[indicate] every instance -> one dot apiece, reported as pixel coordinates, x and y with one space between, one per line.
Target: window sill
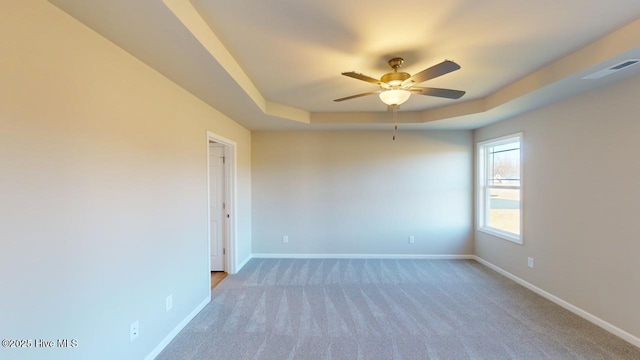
503 235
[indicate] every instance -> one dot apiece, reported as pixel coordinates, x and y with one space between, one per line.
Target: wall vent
610 70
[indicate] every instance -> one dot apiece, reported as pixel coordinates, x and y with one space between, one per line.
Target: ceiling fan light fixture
393 97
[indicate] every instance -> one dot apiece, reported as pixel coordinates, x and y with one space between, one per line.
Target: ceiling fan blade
433 72
443 93
369 79
358 95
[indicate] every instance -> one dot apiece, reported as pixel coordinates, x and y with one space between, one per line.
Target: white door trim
230 147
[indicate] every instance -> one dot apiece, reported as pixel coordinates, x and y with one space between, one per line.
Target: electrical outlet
169 302
285 239
412 239
134 330
530 262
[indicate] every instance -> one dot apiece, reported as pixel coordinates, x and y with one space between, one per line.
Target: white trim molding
231 176
574 309
167 339
243 263
363 256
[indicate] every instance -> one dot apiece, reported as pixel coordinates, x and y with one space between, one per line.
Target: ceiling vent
610 70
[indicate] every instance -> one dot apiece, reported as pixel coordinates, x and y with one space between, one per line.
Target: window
499 187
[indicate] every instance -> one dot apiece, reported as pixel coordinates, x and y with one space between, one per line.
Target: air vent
610 70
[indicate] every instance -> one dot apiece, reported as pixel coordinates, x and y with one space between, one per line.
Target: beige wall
359 192
103 194
581 176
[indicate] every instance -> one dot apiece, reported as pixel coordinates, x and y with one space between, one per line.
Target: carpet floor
361 309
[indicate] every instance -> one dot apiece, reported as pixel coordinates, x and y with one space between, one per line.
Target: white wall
103 194
581 176
359 192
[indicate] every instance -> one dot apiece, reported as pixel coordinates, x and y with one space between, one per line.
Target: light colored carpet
385 309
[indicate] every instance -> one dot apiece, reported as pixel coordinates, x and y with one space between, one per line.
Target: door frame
217 201
230 196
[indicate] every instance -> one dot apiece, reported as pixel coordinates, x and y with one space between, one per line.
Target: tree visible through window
499 187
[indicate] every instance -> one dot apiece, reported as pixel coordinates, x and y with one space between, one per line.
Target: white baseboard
574 309
243 263
167 339
363 256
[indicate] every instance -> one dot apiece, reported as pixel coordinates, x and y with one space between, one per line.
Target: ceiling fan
396 87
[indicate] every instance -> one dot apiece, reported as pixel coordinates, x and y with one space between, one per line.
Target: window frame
482 190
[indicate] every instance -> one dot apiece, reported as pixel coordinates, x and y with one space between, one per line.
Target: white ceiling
276 64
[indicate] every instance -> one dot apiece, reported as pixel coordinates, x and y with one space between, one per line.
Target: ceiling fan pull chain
395 121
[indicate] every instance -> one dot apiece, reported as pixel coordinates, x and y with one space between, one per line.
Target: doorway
221 171
217 207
